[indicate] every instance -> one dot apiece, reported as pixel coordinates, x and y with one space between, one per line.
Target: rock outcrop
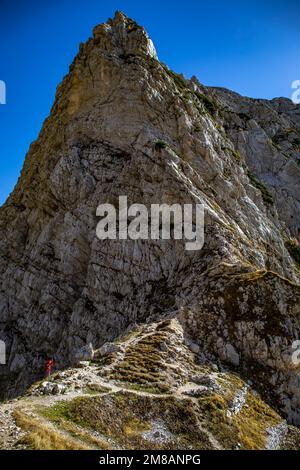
124 124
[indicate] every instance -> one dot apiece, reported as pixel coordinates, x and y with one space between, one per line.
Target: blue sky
252 47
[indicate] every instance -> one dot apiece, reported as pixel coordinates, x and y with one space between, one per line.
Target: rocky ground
148 390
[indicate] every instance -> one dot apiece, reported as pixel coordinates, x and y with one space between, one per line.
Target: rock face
124 124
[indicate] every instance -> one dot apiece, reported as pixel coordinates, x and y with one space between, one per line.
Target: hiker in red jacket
49 366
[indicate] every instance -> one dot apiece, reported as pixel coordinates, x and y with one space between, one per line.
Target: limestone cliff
124 124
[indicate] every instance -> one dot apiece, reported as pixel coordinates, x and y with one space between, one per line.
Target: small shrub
293 248
234 153
160 144
266 195
179 81
209 105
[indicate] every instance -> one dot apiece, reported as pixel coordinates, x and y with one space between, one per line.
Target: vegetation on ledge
293 248
266 195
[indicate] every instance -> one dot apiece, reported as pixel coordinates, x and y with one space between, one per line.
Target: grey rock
163 347
206 380
197 392
107 348
86 353
232 355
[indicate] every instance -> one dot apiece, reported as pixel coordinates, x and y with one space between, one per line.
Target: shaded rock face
63 289
267 133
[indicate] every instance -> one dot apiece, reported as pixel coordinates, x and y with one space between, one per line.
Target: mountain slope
145 391
124 124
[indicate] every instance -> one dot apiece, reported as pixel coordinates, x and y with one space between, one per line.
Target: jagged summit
124 36
125 124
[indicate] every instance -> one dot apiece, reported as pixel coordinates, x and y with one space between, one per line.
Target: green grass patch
211 107
95 389
232 152
125 416
266 195
294 250
178 80
160 144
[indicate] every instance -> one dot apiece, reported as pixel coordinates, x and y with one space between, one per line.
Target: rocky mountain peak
124 36
123 123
